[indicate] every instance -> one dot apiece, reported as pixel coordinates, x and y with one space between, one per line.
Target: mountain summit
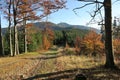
60 26
63 26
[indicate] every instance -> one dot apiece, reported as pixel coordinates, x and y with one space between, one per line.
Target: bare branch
95 12
81 7
94 1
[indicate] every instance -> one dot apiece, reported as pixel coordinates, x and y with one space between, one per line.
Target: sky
67 14
82 17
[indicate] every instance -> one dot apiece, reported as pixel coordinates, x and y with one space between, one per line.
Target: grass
63 67
28 54
47 66
6 60
79 62
67 66
55 67
8 65
50 53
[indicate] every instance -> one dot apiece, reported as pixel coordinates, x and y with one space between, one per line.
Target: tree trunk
1 47
10 42
25 36
16 46
108 35
17 43
9 27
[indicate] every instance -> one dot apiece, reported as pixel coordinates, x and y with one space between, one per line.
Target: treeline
34 40
38 39
68 36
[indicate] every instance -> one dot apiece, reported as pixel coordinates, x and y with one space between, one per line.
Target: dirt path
12 68
18 67
52 65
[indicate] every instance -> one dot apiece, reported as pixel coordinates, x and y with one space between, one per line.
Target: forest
33 48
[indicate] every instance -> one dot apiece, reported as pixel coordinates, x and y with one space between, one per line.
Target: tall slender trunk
17 43
9 27
14 17
16 46
25 36
108 35
1 47
10 42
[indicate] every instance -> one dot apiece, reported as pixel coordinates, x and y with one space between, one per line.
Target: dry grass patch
79 62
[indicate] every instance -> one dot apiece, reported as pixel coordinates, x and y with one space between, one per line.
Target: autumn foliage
90 45
78 44
116 43
48 37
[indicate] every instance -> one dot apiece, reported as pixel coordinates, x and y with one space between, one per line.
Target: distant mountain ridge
60 26
63 26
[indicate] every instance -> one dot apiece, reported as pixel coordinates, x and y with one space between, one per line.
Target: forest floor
55 64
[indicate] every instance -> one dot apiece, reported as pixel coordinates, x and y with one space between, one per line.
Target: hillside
63 26
60 26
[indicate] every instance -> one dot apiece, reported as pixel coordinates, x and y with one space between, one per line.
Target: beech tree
45 6
116 43
26 14
18 11
48 37
78 44
9 3
108 27
93 43
50 6
13 16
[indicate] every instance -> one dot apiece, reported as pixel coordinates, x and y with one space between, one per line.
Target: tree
1 47
78 44
108 35
50 6
90 45
1 44
15 13
47 6
116 43
34 38
108 27
19 11
9 27
27 14
93 43
64 38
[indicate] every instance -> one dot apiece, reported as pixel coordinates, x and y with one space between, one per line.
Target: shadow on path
97 73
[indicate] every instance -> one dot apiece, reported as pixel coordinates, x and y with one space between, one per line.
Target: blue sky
83 17
68 16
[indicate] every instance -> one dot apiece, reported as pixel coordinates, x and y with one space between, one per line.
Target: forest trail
54 65
24 65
